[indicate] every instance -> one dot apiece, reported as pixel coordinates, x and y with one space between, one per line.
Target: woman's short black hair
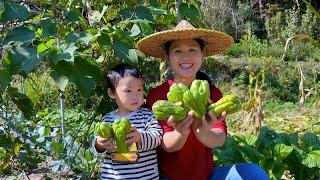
167 44
201 75
120 71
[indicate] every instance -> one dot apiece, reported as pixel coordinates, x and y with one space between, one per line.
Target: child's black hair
167 45
120 71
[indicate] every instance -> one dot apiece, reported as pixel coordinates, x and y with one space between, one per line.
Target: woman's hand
174 140
133 136
206 133
105 144
182 127
209 119
207 122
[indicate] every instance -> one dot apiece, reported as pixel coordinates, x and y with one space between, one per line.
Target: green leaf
251 139
20 34
83 37
298 153
289 138
154 10
61 81
144 13
22 102
253 154
144 27
88 156
198 22
153 2
312 160
239 137
310 142
120 49
135 30
2 9
248 139
14 11
21 60
86 37
17 149
266 163
5 79
73 16
265 138
41 48
189 10
62 68
126 12
45 46
281 151
132 56
45 112
3 152
49 28
57 147
229 156
277 170
84 73
66 53
51 43
72 37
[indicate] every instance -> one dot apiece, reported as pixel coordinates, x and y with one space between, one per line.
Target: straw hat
216 42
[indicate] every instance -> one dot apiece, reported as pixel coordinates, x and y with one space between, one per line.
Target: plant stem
62 124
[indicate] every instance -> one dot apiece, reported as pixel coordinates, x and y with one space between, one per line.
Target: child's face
128 94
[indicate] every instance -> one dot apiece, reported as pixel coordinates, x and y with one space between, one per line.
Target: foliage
32 142
281 78
62 49
251 46
40 89
275 153
231 17
289 23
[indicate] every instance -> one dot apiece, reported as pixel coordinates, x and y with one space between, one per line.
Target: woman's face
185 58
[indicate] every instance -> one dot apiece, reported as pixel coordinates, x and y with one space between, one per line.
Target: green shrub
274 152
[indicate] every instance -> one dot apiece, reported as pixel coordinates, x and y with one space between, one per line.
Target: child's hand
133 136
105 143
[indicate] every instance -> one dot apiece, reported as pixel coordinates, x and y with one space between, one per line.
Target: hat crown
184 25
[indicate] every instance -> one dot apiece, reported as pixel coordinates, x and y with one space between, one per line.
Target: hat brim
216 42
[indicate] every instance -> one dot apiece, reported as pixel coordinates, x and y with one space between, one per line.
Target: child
126 88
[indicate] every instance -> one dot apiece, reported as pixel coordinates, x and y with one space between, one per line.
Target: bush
250 46
289 23
274 152
231 17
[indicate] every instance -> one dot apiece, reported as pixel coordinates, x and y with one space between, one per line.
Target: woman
186 150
